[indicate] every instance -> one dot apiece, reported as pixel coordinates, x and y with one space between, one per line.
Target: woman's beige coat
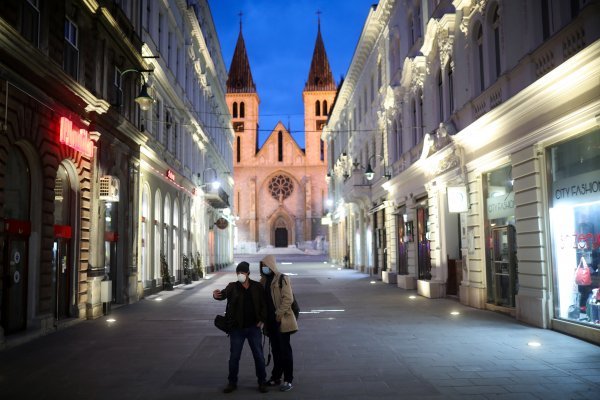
282 298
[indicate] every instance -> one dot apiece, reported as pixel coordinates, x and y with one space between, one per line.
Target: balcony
216 197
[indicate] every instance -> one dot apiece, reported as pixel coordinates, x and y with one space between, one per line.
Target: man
247 307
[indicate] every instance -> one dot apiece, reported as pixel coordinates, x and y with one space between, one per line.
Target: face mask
266 270
241 278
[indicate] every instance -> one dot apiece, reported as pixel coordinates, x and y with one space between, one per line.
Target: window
118 81
156 119
30 22
379 74
176 140
322 149
238 149
161 21
546 20
415 131
411 30
496 33
372 88
168 125
318 108
440 95
479 46
420 115
242 110
235 109
71 50
450 88
325 107
280 146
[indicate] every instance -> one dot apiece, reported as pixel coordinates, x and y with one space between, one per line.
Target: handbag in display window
583 276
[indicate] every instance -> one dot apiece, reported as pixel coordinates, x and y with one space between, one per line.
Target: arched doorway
63 251
281 234
14 245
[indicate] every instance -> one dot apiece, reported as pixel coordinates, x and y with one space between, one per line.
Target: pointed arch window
238 149
324 107
235 109
280 146
318 108
242 110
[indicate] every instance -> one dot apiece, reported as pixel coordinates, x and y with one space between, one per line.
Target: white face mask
241 278
266 270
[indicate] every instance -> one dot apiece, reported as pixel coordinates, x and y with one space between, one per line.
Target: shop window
501 264
402 243
423 243
574 194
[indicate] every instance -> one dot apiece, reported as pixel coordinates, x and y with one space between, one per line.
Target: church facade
280 190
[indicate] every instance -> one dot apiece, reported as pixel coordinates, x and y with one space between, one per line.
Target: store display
583 276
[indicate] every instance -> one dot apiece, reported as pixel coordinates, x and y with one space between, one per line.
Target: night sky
280 37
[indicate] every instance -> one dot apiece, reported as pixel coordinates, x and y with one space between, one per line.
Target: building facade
280 189
485 173
80 159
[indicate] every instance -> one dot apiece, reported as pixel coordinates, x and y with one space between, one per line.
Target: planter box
431 289
388 277
407 282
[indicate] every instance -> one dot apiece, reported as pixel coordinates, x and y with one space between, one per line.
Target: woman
281 322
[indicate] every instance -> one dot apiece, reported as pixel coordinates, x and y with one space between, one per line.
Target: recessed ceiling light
455 313
534 344
158 299
339 269
412 297
373 282
111 320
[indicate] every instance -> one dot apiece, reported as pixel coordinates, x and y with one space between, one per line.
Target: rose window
281 187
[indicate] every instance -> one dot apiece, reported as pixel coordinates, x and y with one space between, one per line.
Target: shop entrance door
14 275
61 263
504 265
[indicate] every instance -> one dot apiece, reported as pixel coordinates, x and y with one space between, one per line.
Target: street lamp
143 98
215 184
370 174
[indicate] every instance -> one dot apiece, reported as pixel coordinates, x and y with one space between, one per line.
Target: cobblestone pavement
357 340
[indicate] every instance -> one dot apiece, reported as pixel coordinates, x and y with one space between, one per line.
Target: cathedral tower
242 101
318 95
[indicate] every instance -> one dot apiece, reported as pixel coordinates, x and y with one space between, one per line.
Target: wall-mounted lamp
370 174
214 183
143 98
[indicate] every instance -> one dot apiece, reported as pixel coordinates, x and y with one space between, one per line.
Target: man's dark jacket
234 293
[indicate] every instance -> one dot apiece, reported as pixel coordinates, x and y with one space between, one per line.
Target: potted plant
194 268
187 270
164 271
200 266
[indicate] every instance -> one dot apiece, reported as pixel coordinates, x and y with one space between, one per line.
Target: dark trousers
283 358
236 341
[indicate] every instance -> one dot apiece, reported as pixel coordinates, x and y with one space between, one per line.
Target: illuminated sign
170 175
77 139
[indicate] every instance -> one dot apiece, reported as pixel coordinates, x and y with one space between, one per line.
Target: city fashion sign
584 188
502 206
77 139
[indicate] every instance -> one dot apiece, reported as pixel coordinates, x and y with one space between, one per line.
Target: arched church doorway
281 234
281 237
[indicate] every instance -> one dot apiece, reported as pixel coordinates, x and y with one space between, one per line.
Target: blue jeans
236 340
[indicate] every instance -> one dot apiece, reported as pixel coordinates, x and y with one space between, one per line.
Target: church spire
319 76
240 77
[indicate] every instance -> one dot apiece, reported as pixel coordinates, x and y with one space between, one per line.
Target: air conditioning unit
109 188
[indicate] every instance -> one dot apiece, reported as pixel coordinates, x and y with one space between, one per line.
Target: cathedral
280 189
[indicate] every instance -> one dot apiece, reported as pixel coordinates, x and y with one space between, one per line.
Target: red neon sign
77 139
170 175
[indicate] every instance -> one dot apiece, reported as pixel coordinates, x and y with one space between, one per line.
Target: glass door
504 266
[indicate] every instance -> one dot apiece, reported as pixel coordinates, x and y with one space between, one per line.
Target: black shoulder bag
295 306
